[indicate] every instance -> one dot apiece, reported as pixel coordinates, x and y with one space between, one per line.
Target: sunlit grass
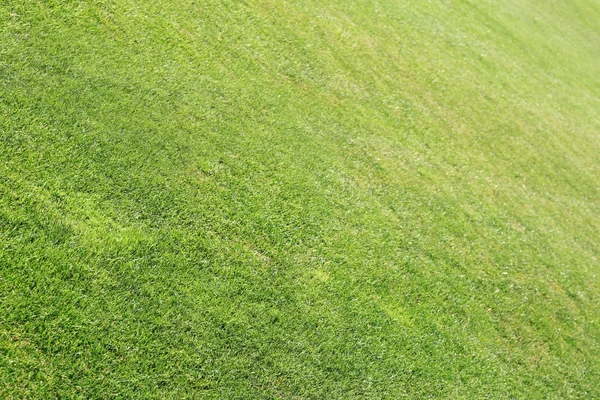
299 200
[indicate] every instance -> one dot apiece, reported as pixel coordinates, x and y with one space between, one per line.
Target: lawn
300 199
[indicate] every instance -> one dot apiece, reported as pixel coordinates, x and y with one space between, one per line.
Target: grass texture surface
300 199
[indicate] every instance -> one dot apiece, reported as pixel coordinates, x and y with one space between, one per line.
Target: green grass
302 199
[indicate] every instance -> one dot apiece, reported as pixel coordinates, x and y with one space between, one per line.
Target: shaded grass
298 200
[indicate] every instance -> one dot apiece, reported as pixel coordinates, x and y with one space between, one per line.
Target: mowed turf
301 199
